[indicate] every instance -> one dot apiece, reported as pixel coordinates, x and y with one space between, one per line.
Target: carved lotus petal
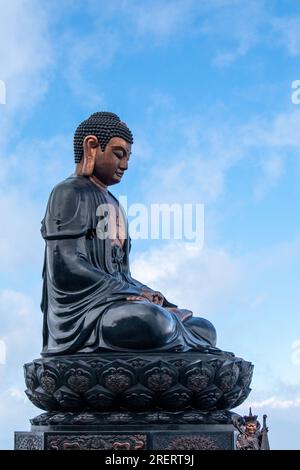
31 379
99 398
208 399
48 378
117 381
159 376
68 400
79 379
138 398
234 398
229 399
245 375
176 398
117 376
36 400
46 401
227 376
198 376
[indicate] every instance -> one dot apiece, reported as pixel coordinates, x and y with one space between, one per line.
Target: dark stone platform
130 431
138 382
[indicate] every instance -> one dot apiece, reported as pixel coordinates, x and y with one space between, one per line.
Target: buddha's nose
124 164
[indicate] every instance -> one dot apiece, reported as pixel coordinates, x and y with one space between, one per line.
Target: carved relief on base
53 418
96 442
29 441
193 441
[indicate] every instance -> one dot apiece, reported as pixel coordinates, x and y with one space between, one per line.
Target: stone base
138 382
156 436
147 401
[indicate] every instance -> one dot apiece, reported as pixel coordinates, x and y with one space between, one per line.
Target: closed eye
119 154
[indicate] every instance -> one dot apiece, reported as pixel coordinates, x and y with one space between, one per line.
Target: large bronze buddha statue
90 301
122 367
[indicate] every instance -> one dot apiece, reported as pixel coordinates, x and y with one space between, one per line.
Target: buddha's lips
120 174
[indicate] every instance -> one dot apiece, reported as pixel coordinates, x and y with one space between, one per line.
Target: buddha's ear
90 150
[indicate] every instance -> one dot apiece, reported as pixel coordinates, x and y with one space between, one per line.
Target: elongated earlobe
87 164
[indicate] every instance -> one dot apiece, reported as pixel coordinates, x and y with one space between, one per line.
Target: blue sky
206 88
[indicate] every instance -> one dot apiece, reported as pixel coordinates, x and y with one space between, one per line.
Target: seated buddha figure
91 303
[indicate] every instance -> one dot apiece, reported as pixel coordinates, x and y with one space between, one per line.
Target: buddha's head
102 147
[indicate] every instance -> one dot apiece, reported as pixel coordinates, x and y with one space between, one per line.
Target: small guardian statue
251 437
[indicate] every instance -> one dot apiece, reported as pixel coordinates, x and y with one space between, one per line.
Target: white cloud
275 403
85 53
15 411
144 25
25 50
287 30
204 151
12 301
272 170
236 26
280 132
201 151
21 238
26 57
17 394
158 19
21 331
295 358
21 326
273 258
162 19
37 166
208 278
135 23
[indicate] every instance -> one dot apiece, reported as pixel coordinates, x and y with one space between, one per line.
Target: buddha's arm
70 269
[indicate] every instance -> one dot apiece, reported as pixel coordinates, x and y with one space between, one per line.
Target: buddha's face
111 164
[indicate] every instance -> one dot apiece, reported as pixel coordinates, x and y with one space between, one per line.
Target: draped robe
86 282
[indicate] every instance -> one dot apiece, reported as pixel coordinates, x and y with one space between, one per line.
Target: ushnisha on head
102 147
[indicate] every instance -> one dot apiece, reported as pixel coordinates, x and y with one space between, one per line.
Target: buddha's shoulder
73 183
70 194
68 208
